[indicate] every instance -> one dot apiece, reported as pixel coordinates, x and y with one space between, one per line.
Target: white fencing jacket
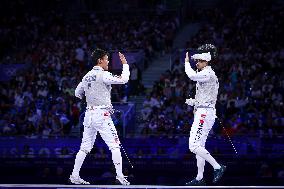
96 85
206 87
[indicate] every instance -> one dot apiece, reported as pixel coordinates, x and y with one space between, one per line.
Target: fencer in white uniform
96 86
204 110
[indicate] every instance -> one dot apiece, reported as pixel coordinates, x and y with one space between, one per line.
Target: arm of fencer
196 76
108 78
79 91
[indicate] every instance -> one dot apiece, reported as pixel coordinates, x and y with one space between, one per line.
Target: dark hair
208 48
97 54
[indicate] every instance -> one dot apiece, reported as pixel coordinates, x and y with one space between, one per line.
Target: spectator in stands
28 152
56 53
64 152
147 108
44 152
135 76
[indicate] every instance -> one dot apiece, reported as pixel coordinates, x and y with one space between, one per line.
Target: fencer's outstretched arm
79 91
114 79
193 75
123 78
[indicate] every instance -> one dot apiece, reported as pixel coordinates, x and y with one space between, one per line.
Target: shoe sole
70 182
201 184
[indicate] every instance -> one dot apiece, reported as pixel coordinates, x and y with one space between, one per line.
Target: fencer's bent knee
193 147
86 148
114 147
86 151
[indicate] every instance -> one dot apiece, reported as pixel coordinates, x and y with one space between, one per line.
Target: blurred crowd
57 50
250 72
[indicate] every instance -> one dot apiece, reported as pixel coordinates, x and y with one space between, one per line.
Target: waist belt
99 107
205 107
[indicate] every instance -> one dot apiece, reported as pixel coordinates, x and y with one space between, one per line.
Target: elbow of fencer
190 76
78 96
125 79
193 147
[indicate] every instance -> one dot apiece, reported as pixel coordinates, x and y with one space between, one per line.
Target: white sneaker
122 180
77 180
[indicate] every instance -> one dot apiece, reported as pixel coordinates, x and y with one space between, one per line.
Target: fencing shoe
122 180
195 182
218 173
77 180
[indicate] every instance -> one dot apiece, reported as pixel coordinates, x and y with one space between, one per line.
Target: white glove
190 102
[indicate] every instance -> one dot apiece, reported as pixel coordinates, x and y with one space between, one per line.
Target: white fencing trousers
99 120
204 119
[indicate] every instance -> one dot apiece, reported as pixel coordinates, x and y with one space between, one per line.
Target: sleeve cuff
125 66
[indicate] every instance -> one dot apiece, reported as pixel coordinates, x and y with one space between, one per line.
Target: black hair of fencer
208 48
97 54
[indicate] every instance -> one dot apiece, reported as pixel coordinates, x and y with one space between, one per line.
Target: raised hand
122 58
186 57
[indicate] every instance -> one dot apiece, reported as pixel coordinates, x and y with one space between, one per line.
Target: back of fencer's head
97 54
208 48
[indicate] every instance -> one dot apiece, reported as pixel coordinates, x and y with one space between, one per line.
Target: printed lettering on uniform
116 140
114 76
90 78
198 133
200 127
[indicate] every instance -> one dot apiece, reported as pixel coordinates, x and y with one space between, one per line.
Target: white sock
80 157
117 161
200 167
202 152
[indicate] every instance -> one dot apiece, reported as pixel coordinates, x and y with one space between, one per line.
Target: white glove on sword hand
190 102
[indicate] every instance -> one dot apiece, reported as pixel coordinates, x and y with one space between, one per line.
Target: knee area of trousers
114 148
86 151
193 147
